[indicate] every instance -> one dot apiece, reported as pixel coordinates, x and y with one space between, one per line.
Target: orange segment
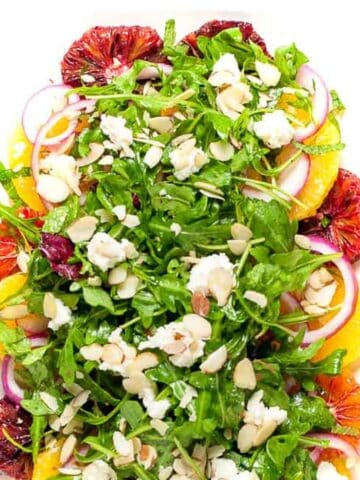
9 286
287 103
323 173
47 463
26 189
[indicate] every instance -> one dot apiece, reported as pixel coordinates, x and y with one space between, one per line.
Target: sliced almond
120 212
244 375
161 124
174 348
142 362
256 297
215 451
200 303
131 221
165 472
22 261
215 361
313 310
117 275
92 352
246 437
67 415
83 229
137 444
237 247
220 284
49 400
94 281
67 449
209 188
221 150
153 156
96 151
14 312
129 287
75 426
302 241
54 423
80 399
49 305
136 384
182 468
182 138
71 471
122 446
197 325
212 195
240 232
160 426
323 296
264 432
147 456
325 275
112 354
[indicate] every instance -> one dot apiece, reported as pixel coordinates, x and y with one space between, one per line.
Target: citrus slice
323 173
26 189
9 286
47 463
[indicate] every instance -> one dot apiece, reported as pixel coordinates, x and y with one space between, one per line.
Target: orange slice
323 173
47 463
11 285
26 189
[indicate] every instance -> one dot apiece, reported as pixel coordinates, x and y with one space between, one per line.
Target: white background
34 35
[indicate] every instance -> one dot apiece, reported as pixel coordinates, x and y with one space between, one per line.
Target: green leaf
98 297
319 149
337 104
36 354
14 340
133 413
280 447
288 60
37 430
67 364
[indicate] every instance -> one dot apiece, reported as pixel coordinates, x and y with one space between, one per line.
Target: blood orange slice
212 28
103 53
8 256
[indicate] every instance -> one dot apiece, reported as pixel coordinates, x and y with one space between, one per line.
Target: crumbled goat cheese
225 71
154 408
269 74
63 167
199 275
120 135
62 315
257 413
98 470
105 252
274 129
225 469
187 159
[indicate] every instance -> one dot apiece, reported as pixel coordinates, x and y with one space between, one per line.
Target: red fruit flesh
8 256
338 219
107 52
212 28
14 462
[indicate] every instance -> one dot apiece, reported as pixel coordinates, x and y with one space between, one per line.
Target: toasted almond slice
313 310
131 221
215 361
174 348
161 124
197 325
211 195
122 446
137 444
209 188
14 312
302 241
96 150
92 352
220 283
153 156
160 426
221 150
82 229
215 451
129 287
264 432
325 276
117 275
147 456
75 426
142 362
112 354
244 375
237 247
49 400
67 415
136 384
182 138
80 399
120 212
256 297
246 437
200 303
49 305
240 232
165 472
67 449
71 471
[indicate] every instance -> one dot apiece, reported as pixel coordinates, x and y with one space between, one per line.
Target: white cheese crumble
98 470
225 469
105 252
22 261
269 74
120 136
257 413
187 159
62 315
274 129
327 471
154 408
225 71
199 275
176 228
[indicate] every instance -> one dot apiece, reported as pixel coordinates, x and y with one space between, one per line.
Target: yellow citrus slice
47 463
323 173
26 189
19 150
9 286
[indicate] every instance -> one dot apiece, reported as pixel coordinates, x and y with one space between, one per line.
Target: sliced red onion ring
294 177
38 340
33 324
309 79
40 138
320 245
11 388
63 146
149 73
289 302
250 192
42 104
337 443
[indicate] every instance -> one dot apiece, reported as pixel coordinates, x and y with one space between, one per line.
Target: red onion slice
11 388
250 192
289 303
42 104
309 79
320 245
149 73
38 340
294 177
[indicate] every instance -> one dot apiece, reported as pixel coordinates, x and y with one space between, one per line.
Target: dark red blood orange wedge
212 28
16 422
8 256
338 219
106 52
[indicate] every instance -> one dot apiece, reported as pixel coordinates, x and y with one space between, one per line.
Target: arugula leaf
319 149
37 430
133 413
67 364
288 60
98 297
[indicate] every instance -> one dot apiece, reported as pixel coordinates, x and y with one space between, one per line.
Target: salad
177 296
